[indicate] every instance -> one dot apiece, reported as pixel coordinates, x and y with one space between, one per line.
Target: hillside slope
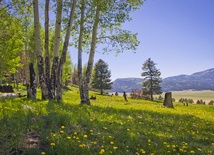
203 80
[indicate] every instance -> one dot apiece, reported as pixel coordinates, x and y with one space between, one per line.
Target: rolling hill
203 80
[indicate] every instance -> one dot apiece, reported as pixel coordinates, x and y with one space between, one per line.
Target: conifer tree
152 79
101 78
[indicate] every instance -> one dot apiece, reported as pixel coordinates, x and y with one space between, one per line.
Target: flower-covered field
109 126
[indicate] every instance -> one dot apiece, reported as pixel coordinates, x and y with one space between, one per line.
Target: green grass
109 126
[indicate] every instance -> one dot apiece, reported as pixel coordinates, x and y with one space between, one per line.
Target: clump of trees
186 100
152 79
200 102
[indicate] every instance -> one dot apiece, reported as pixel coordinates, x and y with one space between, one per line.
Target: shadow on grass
80 129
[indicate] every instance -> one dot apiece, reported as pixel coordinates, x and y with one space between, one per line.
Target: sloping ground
109 126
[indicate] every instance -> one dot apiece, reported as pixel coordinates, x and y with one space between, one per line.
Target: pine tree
152 79
101 78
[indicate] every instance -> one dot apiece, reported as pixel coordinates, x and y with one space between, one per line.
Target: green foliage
109 126
11 42
74 76
101 77
152 79
66 76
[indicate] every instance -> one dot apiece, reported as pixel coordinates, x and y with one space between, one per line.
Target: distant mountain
203 80
126 84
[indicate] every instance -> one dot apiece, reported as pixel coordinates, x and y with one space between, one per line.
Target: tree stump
168 100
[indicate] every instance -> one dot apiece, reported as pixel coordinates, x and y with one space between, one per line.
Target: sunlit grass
110 126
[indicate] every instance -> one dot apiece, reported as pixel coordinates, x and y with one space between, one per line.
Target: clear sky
178 35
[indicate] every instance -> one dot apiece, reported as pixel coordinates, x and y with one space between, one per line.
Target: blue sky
178 35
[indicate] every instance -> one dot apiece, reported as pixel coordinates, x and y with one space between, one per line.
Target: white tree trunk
80 76
39 50
47 58
64 52
56 48
92 53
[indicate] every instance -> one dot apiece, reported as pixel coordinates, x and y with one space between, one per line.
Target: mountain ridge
202 80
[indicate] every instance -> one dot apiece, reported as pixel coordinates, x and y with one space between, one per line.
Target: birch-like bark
80 76
56 47
31 90
39 50
47 58
92 53
64 52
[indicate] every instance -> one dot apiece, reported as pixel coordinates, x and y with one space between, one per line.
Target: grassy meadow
205 95
109 126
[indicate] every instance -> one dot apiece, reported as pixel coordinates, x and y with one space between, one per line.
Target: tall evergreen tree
101 78
152 79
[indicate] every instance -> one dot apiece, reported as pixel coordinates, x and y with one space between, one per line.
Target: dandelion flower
101 151
142 151
82 145
85 136
149 140
52 144
68 137
75 133
62 126
94 143
128 129
61 132
111 143
192 152
91 131
115 147
42 152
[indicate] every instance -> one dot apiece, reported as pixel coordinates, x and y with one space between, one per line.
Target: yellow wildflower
115 147
42 152
142 151
61 132
52 144
101 151
85 136
192 152
62 126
